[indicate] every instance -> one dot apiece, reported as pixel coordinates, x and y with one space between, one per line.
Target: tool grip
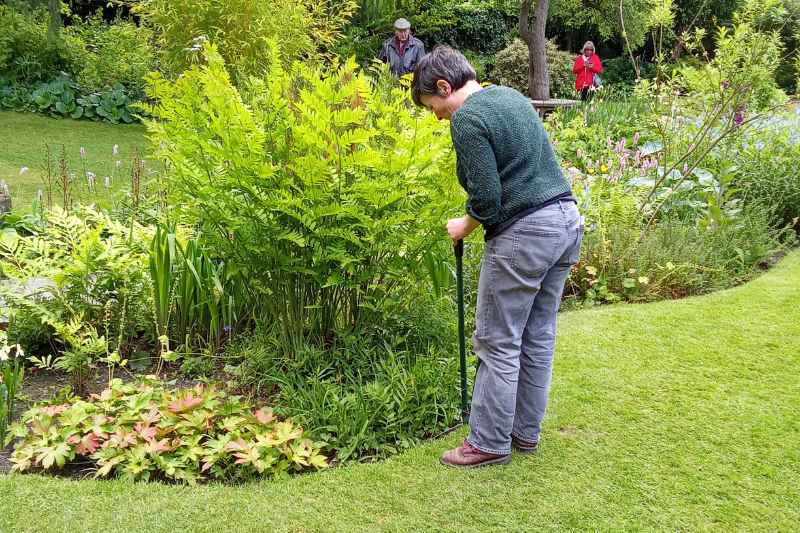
458 248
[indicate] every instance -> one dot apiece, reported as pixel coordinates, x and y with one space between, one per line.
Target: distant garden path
675 415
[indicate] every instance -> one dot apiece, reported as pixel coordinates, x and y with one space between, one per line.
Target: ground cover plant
651 427
144 431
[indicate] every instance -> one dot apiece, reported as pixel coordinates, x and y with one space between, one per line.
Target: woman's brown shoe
468 456
523 445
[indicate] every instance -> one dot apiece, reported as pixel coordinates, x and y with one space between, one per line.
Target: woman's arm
578 66
596 64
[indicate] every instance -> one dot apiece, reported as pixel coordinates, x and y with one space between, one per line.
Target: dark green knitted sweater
504 158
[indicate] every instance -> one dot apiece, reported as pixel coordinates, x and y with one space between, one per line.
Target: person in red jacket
587 69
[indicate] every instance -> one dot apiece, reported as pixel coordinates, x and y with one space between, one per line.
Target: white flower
23 170
119 163
83 152
115 150
107 182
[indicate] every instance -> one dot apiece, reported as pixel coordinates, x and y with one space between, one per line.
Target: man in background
403 51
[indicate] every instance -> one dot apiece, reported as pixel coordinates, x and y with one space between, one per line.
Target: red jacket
585 72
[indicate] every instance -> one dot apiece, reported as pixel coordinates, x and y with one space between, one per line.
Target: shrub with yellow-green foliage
324 188
243 29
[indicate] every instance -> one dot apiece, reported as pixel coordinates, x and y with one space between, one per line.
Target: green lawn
681 415
24 135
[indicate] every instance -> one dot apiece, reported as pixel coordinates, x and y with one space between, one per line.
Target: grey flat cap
402 24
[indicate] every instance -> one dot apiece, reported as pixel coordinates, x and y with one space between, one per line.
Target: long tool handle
458 249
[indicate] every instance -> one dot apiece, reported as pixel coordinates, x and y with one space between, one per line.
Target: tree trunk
533 34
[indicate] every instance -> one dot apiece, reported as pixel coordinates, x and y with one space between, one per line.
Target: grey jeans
522 278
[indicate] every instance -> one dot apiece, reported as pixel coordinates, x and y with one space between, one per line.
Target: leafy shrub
91 286
374 393
323 190
766 169
511 69
144 431
27 54
621 260
114 105
113 55
58 97
477 27
242 30
619 71
16 97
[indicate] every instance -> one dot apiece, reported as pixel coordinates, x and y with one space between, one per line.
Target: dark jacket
408 62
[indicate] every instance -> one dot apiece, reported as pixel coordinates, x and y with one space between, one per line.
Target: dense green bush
90 70
112 54
145 431
767 168
28 55
93 291
242 30
511 69
619 71
324 190
478 27
375 393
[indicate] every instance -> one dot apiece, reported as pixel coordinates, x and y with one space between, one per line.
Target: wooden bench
547 106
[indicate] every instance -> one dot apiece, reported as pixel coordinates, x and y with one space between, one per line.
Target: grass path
680 415
22 140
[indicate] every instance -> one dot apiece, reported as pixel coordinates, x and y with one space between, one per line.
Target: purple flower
227 329
738 118
726 84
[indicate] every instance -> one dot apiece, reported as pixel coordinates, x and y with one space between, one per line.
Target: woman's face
443 105
437 105
588 51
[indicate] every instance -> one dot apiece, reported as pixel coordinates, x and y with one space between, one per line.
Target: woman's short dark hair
442 63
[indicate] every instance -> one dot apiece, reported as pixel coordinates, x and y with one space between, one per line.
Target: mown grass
23 137
681 415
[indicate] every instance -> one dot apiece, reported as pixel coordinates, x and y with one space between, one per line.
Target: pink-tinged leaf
146 432
151 417
237 446
74 440
265 415
206 465
185 404
54 410
88 445
156 447
121 439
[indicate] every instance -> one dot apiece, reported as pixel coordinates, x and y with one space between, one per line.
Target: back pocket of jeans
535 251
